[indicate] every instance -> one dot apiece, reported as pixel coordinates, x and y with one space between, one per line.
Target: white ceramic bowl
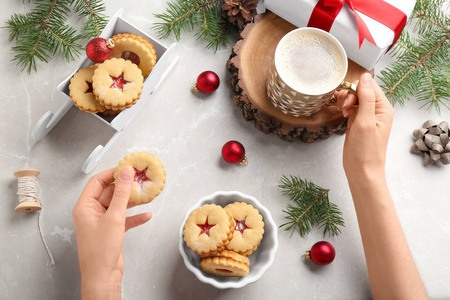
260 261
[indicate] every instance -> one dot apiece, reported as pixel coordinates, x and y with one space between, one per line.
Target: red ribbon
326 11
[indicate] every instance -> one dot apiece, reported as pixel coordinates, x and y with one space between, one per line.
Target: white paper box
166 61
345 29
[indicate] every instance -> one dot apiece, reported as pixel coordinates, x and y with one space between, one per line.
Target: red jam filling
131 56
140 176
118 82
224 271
205 227
89 90
240 226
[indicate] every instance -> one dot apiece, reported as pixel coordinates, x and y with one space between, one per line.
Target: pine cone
240 11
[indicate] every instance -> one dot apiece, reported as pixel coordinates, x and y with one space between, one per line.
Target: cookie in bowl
226 263
208 230
249 228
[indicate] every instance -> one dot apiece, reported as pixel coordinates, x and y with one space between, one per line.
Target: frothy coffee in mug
310 62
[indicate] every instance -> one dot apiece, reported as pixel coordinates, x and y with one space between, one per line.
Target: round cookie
149 178
249 228
117 84
226 263
208 230
81 91
124 42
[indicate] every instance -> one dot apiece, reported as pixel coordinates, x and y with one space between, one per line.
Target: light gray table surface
187 133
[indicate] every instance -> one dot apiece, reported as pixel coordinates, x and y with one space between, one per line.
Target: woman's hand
368 128
100 224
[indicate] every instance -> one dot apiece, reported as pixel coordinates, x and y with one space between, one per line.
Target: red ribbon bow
326 11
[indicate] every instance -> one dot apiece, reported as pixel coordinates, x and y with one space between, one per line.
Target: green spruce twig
204 16
312 207
422 69
43 32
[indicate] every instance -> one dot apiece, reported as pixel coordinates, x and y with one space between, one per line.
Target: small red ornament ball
322 253
207 82
98 50
234 152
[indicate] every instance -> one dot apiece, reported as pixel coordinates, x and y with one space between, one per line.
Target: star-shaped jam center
240 226
140 176
205 227
89 90
118 82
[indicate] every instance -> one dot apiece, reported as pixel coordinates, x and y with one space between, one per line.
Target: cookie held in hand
149 177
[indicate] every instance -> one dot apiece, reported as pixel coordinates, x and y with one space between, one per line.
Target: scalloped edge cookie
144 191
219 234
78 88
137 44
248 241
227 264
112 97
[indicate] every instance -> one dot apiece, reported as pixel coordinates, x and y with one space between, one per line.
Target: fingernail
126 174
366 79
344 112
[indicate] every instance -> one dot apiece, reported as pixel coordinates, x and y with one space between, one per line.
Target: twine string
27 190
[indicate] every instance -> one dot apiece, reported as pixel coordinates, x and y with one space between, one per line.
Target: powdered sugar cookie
135 48
149 178
81 91
208 230
226 263
117 84
249 228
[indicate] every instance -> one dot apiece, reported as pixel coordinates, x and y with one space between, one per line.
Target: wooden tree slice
249 66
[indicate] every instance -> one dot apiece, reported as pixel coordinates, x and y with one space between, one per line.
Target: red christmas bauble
207 82
234 152
98 50
322 253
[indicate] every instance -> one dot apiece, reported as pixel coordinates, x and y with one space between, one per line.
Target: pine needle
204 17
44 32
422 68
311 208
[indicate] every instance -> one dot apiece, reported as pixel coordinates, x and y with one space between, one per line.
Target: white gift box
345 29
166 61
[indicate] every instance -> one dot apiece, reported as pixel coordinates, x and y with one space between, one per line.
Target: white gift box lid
298 12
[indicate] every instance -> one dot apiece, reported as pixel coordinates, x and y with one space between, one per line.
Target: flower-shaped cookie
249 228
149 178
117 84
226 263
81 91
208 230
137 48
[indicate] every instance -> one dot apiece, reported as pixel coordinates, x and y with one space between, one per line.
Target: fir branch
93 10
312 207
43 32
204 16
423 67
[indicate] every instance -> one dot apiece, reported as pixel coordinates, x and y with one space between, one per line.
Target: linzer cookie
136 49
226 263
149 178
249 228
208 230
117 84
81 91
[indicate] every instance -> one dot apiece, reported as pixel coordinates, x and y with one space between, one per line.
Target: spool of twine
28 190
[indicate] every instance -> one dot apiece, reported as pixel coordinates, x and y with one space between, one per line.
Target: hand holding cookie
100 223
